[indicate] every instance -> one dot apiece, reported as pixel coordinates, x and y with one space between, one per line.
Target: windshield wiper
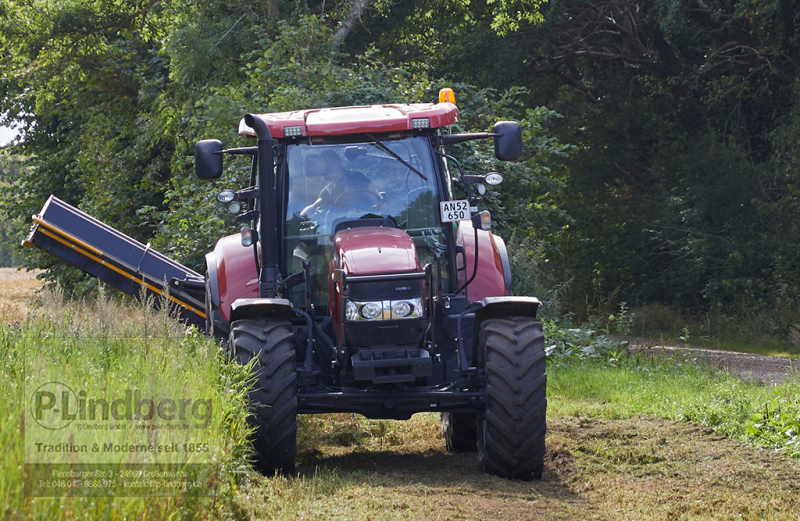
391 153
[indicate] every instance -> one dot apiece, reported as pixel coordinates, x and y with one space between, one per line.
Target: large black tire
511 437
460 431
273 396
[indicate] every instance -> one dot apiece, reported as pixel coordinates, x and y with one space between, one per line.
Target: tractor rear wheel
273 396
511 436
214 317
460 431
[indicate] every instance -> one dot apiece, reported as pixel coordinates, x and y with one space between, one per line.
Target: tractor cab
332 188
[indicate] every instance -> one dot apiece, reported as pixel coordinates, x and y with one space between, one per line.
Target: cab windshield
331 184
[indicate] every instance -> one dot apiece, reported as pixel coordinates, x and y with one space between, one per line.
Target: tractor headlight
371 310
350 311
407 308
355 311
401 309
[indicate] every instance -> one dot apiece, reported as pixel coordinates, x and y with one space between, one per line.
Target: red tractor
360 285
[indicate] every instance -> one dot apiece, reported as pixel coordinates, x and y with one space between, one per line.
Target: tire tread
273 395
511 438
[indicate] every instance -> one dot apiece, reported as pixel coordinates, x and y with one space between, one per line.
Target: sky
6 135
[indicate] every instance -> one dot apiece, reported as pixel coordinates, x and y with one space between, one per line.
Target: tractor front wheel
273 396
511 435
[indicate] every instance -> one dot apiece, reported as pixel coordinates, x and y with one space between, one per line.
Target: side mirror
508 147
207 163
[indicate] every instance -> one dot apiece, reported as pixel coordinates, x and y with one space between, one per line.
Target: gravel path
747 366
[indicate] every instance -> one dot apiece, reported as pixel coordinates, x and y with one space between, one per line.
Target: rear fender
494 272
232 274
500 244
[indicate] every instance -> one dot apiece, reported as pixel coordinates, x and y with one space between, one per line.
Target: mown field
628 438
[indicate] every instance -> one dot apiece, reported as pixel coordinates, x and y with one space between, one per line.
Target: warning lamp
249 236
482 220
447 95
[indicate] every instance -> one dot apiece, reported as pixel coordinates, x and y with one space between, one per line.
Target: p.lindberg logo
55 405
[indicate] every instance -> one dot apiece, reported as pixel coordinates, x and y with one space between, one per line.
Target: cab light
292 131
447 95
421 123
226 196
494 178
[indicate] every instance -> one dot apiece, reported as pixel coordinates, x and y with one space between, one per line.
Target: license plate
454 210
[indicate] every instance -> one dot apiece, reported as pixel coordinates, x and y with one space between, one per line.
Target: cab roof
338 121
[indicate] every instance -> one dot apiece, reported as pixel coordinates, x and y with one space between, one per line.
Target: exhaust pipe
268 222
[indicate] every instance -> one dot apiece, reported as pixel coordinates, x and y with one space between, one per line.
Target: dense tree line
662 170
682 185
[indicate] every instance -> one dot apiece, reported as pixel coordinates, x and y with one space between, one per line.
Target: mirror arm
452 139
243 151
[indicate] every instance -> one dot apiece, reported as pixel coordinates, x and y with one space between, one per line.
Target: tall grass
107 347
683 390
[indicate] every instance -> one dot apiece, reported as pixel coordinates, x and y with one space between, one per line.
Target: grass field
107 350
628 439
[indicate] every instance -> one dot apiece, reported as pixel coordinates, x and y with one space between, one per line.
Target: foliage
681 188
660 161
778 426
676 184
9 248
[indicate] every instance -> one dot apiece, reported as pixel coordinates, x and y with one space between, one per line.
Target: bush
657 318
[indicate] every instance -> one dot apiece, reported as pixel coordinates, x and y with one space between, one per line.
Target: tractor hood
374 250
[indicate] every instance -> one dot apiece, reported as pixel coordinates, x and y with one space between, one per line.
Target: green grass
682 390
104 350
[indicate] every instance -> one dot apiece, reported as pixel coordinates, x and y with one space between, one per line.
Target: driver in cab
343 188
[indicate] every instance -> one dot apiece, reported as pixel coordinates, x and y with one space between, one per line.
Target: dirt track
747 366
16 289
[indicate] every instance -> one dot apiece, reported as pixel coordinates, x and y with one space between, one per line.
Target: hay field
17 289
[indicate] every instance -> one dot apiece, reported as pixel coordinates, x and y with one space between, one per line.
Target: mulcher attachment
116 259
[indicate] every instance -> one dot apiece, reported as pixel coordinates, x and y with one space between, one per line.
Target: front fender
493 307
262 308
